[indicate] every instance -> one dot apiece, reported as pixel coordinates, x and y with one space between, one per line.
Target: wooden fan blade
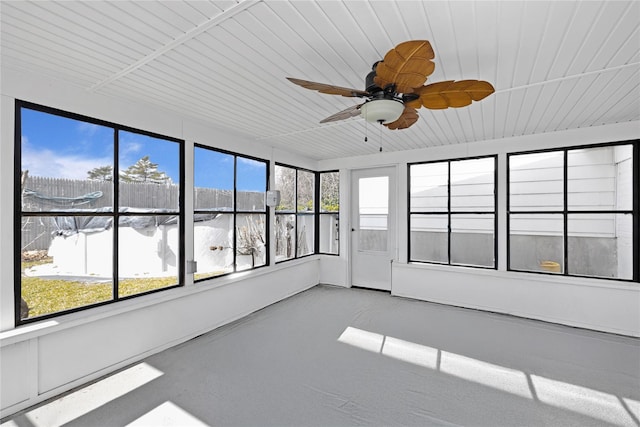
441 95
409 116
344 114
329 89
407 65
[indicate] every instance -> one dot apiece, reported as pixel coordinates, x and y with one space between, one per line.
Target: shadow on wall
466 248
588 256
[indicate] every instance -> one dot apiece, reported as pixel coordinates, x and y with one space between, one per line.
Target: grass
45 296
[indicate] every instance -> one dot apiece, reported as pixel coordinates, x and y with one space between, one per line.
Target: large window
452 217
572 211
230 219
295 215
329 213
99 212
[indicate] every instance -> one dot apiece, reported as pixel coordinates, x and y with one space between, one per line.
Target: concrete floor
343 357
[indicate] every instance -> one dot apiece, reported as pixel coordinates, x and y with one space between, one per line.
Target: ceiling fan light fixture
382 110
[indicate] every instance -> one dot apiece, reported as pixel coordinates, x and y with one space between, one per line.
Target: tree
330 192
144 171
286 184
101 173
305 190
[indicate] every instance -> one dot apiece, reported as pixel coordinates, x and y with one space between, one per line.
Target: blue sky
55 146
215 170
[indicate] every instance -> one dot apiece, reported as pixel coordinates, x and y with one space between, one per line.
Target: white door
373 233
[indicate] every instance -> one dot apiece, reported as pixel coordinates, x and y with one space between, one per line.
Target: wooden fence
57 194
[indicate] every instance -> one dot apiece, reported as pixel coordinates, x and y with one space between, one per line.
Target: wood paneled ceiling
555 65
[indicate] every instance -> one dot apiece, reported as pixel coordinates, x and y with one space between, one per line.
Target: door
373 227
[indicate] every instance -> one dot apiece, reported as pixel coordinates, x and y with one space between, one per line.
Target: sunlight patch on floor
410 352
78 403
167 415
593 403
494 376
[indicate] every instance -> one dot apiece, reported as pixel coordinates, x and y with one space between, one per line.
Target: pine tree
144 171
101 173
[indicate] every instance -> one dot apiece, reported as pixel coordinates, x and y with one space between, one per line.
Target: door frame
392 171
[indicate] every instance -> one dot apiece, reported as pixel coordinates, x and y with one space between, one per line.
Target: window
295 215
99 212
329 230
571 211
230 214
452 217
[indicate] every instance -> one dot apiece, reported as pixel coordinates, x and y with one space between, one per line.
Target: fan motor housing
370 86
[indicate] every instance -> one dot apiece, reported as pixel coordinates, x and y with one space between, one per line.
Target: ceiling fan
395 88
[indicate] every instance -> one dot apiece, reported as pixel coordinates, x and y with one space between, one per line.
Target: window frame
449 212
320 213
116 214
297 214
565 212
235 211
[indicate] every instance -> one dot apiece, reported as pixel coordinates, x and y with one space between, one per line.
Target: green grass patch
46 296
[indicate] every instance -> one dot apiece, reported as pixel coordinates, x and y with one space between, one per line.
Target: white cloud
129 153
48 163
89 129
251 163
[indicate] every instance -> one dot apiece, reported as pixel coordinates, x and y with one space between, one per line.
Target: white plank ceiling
555 64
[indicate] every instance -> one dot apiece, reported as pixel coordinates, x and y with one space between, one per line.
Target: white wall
604 305
43 359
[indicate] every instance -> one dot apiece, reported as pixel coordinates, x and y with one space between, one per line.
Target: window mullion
449 212
316 210
636 211
565 224
234 238
116 212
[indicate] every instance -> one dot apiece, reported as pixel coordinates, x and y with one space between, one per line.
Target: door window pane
373 198
536 242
